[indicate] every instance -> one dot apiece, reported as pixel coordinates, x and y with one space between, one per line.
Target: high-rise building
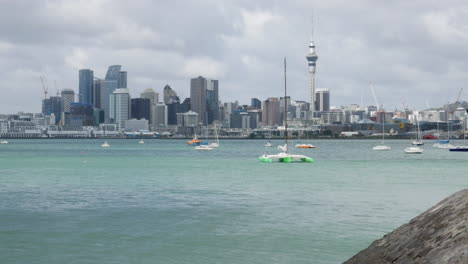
322 100
256 104
68 97
198 97
53 106
141 108
170 95
271 115
204 99
114 79
212 101
98 86
119 107
154 99
86 86
161 115
312 61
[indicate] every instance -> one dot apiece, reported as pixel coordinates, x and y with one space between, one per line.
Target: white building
119 110
68 97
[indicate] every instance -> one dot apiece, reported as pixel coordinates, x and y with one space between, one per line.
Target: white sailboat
418 141
204 146
285 156
3 142
464 147
105 145
215 144
382 146
141 142
413 150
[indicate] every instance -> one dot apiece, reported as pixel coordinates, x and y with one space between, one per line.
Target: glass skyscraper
86 86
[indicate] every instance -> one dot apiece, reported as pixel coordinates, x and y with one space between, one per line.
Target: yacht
3 142
413 150
105 145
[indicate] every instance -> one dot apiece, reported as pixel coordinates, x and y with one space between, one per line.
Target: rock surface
439 235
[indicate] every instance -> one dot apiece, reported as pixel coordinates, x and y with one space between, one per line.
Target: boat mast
285 109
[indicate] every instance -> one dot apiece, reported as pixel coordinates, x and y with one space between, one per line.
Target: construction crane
44 86
458 97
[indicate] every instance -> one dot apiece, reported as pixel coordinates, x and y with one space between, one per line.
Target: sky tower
311 61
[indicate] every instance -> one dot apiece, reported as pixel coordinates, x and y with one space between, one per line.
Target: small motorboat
268 144
381 147
417 143
445 146
194 142
305 146
203 147
414 150
459 148
105 145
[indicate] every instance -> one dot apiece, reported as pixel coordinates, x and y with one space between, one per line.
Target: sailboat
415 150
105 145
443 144
3 142
418 141
215 144
204 146
382 146
463 148
285 156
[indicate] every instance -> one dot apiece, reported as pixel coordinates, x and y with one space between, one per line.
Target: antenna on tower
44 86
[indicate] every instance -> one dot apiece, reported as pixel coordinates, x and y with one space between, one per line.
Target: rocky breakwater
439 235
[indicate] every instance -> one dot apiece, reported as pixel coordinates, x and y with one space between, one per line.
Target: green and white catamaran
285 156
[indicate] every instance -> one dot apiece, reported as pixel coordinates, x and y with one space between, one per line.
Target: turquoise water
71 201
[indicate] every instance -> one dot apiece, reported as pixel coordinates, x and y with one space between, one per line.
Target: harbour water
72 201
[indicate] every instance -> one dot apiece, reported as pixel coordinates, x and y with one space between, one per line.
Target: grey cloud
412 49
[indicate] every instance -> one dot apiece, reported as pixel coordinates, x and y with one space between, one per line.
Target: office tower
212 101
161 115
256 104
198 97
204 99
53 106
173 108
169 94
68 97
154 99
271 115
185 106
322 100
119 107
98 86
122 81
311 61
81 115
112 81
86 86
141 108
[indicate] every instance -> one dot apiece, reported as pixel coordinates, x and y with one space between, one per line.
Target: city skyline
416 54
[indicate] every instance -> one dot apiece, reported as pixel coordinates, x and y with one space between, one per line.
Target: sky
415 52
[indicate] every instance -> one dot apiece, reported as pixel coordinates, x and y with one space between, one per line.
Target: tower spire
311 61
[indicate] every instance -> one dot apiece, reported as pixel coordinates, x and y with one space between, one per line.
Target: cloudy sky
414 51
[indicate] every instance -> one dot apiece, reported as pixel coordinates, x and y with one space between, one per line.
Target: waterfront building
86 86
136 124
80 115
311 62
173 107
255 117
68 97
212 101
322 100
256 104
154 99
119 109
271 115
170 95
141 108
